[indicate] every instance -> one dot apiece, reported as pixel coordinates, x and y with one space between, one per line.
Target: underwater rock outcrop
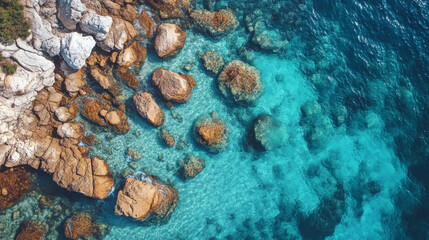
191 166
213 62
216 24
171 8
240 82
211 132
173 86
144 196
79 225
167 138
169 40
268 133
31 230
148 109
14 183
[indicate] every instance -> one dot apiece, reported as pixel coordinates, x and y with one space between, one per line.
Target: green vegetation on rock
8 67
12 22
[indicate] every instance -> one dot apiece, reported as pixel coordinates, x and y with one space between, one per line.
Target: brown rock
128 12
148 109
146 24
215 24
70 130
74 82
134 53
31 230
138 199
167 138
125 74
173 86
213 62
171 8
15 182
120 33
240 82
211 132
113 118
99 58
169 40
78 226
101 78
65 114
91 110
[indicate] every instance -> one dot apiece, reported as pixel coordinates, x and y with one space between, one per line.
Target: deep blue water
355 169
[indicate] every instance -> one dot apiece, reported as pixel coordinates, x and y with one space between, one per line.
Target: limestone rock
70 130
148 109
74 82
211 133
120 33
70 12
216 24
169 40
75 49
140 198
96 25
33 62
173 86
240 82
134 53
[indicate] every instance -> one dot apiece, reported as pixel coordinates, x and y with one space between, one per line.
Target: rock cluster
191 166
173 86
240 82
169 40
146 196
211 132
213 62
216 24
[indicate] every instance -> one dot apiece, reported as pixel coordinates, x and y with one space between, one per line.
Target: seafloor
355 169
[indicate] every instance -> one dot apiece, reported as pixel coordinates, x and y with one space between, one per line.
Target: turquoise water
354 169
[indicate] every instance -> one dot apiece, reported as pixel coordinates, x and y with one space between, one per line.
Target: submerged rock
148 109
213 62
78 226
171 8
240 82
192 166
125 74
169 40
75 49
146 196
31 230
14 183
211 132
268 133
173 86
167 138
216 24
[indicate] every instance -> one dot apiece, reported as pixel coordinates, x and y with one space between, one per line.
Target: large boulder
169 40
120 33
144 196
74 82
75 49
216 24
101 78
96 25
240 82
148 109
70 12
173 86
211 132
133 54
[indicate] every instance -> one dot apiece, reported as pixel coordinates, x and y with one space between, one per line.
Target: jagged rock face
70 13
211 132
148 109
139 199
216 24
120 33
240 82
75 49
169 40
173 86
96 25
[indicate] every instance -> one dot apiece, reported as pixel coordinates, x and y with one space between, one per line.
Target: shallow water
354 170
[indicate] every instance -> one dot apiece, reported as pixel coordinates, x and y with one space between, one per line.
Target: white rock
32 61
69 130
70 12
75 49
96 25
43 39
8 50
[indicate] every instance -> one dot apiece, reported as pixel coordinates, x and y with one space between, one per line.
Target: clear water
363 177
